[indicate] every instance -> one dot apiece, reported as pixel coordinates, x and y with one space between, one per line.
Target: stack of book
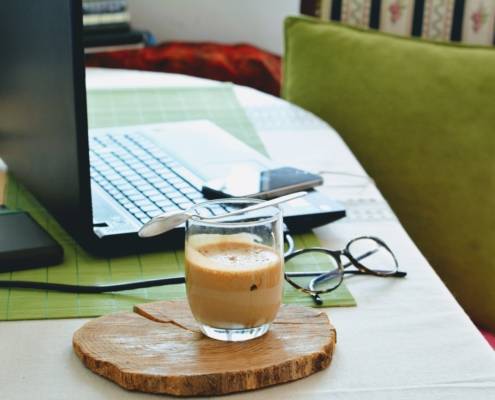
107 26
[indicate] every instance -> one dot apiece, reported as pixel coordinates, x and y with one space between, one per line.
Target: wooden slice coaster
159 349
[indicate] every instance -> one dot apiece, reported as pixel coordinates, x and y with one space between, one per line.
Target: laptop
102 185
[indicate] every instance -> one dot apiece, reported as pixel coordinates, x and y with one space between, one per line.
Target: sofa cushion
420 116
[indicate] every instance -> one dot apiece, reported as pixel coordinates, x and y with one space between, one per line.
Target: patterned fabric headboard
468 21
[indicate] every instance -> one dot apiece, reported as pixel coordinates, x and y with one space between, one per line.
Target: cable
290 244
62 287
66 288
368 179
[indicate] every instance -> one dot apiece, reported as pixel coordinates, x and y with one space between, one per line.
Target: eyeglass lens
373 255
314 261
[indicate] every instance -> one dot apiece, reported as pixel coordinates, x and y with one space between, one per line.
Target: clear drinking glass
234 269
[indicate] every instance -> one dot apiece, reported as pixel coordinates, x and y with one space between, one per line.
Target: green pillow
420 116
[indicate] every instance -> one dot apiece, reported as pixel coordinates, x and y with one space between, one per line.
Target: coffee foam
234 253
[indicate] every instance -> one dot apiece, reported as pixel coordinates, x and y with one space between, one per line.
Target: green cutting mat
129 107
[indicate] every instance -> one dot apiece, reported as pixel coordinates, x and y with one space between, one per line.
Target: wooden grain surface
159 349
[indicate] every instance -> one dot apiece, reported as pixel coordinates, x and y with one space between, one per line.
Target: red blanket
242 64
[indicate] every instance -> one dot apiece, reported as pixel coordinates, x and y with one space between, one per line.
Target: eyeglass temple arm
386 274
316 297
321 276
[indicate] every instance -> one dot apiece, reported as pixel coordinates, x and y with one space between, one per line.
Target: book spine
109 18
104 7
108 12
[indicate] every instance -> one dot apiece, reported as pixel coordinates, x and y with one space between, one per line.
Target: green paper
108 108
147 106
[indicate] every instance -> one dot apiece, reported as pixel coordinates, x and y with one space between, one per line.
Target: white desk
407 339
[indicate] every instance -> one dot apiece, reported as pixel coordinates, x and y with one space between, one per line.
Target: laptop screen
43 124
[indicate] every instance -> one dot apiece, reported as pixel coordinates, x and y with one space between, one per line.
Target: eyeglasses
369 255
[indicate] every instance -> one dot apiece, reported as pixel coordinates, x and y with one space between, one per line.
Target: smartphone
247 181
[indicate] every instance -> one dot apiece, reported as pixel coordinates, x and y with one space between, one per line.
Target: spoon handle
167 221
258 206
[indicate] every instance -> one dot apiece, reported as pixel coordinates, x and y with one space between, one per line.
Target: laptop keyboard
140 176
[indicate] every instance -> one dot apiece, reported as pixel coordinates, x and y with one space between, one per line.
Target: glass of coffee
234 269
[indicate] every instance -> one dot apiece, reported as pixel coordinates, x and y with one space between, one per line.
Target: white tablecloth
406 339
